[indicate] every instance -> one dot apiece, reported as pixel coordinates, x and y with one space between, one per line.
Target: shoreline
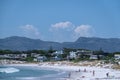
95 63
77 72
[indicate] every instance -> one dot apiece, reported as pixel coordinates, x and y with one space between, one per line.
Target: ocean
30 73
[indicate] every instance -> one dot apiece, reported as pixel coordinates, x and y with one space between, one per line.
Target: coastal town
70 55
66 54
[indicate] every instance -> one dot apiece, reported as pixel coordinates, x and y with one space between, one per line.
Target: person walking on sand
84 70
69 75
107 74
93 73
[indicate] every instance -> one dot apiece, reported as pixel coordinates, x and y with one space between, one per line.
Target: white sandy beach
79 72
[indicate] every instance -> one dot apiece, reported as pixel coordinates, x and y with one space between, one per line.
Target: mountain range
92 43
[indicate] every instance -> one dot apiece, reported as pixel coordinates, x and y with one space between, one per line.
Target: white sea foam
9 70
27 78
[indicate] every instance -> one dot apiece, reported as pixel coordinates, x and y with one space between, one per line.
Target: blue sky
60 20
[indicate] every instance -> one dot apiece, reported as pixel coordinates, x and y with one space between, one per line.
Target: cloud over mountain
30 30
64 31
83 31
60 32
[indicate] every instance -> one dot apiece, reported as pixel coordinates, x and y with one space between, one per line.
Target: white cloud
62 31
83 31
30 31
62 25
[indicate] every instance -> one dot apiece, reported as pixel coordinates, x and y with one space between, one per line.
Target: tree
116 53
51 50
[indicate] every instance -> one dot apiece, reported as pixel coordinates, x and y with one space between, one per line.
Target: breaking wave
9 70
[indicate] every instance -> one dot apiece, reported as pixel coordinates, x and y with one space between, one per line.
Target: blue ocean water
30 73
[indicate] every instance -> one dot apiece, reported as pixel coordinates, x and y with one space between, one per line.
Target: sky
60 20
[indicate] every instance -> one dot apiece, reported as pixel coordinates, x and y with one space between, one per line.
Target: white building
35 55
85 52
40 58
23 55
117 56
58 52
93 57
72 55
